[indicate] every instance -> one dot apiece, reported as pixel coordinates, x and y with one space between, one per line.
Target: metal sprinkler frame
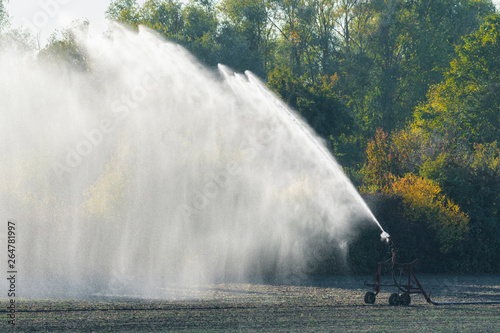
406 284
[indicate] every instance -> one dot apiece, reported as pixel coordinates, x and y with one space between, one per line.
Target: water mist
144 170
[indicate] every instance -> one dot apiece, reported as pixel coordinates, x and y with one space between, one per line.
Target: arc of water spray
110 226
384 236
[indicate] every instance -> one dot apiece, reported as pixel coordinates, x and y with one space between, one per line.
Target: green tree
407 48
297 18
200 35
21 39
416 209
325 35
433 30
466 106
166 17
429 37
472 179
247 21
124 11
316 99
381 163
3 15
194 26
65 47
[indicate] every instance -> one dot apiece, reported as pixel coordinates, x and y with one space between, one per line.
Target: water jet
146 170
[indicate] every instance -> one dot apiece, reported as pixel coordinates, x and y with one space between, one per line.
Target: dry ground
330 304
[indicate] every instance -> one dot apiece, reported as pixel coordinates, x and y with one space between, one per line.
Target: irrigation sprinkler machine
403 279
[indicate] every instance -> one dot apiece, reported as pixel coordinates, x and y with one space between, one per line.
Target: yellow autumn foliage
106 197
425 202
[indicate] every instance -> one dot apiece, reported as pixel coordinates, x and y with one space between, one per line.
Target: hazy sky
47 15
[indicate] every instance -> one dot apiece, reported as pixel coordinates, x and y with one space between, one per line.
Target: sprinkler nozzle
384 236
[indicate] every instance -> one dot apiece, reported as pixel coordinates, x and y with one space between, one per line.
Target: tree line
406 94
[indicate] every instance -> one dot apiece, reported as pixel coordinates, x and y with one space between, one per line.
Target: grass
328 304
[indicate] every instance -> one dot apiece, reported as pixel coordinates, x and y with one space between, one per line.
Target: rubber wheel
370 297
394 299
405 299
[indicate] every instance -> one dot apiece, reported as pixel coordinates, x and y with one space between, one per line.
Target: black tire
405 299
394 299
370 297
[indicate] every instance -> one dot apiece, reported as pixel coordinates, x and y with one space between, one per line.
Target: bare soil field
333 304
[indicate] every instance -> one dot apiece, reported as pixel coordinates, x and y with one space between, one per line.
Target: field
327 304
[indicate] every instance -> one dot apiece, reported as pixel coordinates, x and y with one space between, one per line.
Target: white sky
45 16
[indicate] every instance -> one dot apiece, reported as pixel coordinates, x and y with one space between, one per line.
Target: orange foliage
425 202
